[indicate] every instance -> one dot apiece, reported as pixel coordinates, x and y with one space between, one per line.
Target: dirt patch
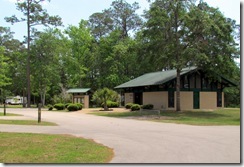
89 110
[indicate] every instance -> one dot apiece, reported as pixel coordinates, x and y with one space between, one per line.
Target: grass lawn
17 106
9 114
43 148
228 116
26 122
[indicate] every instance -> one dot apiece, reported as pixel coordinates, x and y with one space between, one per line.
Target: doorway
196 104
138 98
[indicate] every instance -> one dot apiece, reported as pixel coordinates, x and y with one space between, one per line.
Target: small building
198 91
80 95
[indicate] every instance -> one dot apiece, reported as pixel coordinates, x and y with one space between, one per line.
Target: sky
72 11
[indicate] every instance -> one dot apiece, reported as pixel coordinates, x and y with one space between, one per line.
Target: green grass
228 116
9 114
43 148
26 122
17 106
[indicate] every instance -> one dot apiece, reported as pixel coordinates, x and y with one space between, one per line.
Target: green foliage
79 106
111 104
147 106
128 105
67 104
59 106
50 107
101 96
135 107
73 107
4 80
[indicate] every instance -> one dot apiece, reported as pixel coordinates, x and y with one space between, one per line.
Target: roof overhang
78 90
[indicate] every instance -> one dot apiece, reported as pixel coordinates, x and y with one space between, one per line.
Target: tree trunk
28 56
178 90
106 107
178 70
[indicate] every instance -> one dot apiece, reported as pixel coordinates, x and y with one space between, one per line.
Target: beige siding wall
186 102
86 101
158 99
129 98
208 100
223 99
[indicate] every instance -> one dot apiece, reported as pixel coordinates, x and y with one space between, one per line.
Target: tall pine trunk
178 90
178 70
28 56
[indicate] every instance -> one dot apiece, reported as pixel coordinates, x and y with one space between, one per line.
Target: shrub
147 106
128 105
111 104
135 107
79 105
50 107
67 104
73 107
59 106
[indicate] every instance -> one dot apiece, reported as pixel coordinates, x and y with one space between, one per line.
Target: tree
15 52
4 80
101 96
77 62
120 16
45 60
124 16
101 24
164 31
179 33
34 15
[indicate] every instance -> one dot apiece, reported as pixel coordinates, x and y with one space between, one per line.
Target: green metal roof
78 90
154 78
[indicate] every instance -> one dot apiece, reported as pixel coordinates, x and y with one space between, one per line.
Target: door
138 98
196 100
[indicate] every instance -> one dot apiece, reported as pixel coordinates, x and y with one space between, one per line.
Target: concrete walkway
137 141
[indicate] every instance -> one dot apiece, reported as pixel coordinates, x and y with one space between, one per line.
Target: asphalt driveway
137 141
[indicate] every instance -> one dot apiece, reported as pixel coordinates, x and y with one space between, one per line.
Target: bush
147 106
111 104
50 107
59 106
135 107
128 105
80 106
73 107
67 104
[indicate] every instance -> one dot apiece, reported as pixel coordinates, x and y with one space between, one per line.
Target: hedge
135 107
59 106
72 107
147 106
128 105
111 104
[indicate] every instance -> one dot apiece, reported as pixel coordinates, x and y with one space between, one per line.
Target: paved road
137 141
